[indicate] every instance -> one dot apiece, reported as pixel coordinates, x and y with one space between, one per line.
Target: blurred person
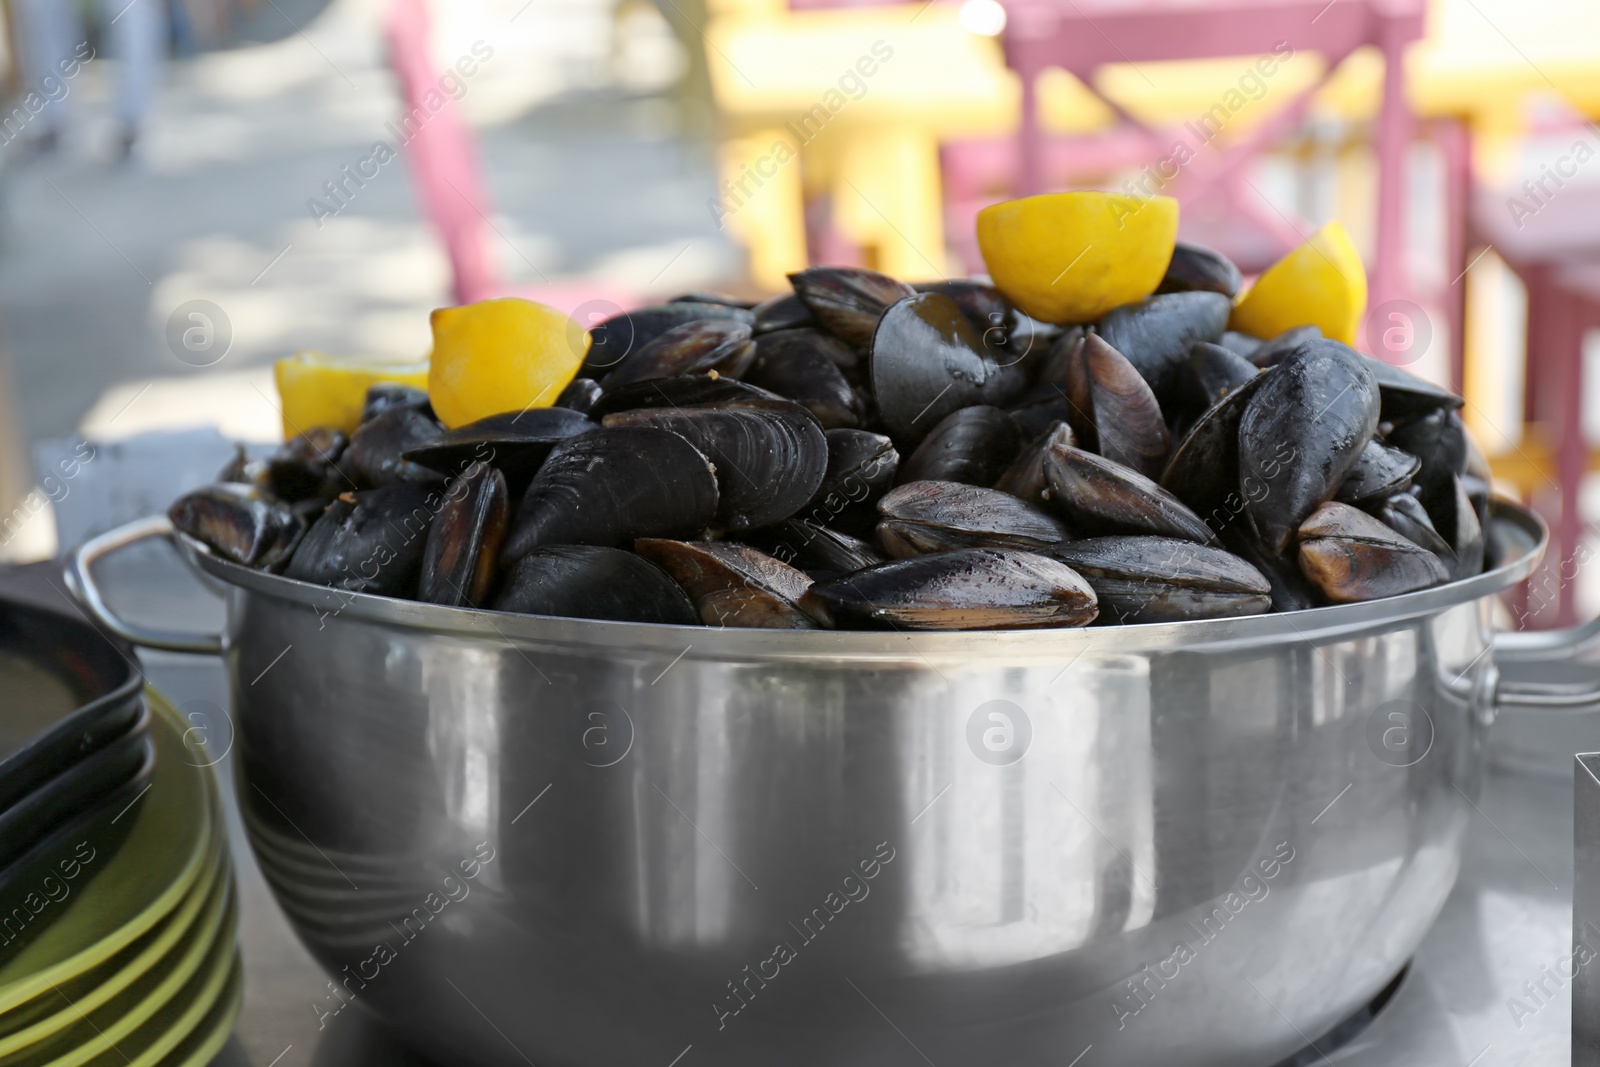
53 43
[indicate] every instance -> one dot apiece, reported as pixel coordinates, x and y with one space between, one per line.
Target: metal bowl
567 842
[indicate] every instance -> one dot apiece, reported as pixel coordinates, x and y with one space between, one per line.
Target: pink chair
443 157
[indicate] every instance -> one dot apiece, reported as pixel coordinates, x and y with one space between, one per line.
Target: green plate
67 1003
149 874
203 1043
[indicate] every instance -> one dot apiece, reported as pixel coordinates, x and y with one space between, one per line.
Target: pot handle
80 579
1523 652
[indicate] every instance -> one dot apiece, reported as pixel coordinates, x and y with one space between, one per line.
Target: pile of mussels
866 453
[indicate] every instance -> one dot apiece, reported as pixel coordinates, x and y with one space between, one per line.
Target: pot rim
723 643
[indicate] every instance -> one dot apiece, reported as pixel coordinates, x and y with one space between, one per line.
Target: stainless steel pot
588 844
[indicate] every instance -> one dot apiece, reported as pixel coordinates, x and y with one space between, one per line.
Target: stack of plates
117 904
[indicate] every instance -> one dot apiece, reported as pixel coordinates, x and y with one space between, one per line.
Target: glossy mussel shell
1112 410
1303 430
305 467
458 561
848 300
967 589
378 449
817 550
371 541
1197 268
926 362
932 516
1162 579
1099 496
613 340
238 523
724 345
1351 556
1378 473
594 582
611 486
516 442
974 445
803 366
1204 469
733 584
1157 333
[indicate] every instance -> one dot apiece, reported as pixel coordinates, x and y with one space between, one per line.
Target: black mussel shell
1213 373
1351 556
369 542
861 468
1405 395
305 467
1100 496
377 452
1457 519
967 589
1204 469
238 523
1039 410
611 486
723 345
800 365
1439 440
243 470
1290 590
463 547
1378 473
705 296
1241 344
817 550
385 395
735 585
923 517
1024 479
784 312
1053 367
594 582
1157 333
1161 579
928 361
1198 269
1269 352
848 300
580 395
1112 410
614 339
974 445
516 442
1302 431
982 304
1478 492
690 390
1404 514
769 460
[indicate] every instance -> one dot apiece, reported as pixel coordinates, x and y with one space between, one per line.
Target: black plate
66 690
78 789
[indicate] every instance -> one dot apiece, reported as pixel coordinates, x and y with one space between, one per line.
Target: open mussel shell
463 546
817 550
305 467
1113 411
927 361
861 468
967 589
376 455
516 442
371 541
689 390
1100 496
848 300
1269 352
974 445
1404 394
1204 469
385 395
1351 556
1195 268
1379 473
1303 430
1161 579
1157 333
580 395
783 312
238 523
800 365
735 585
769 459
611 486
1025 479
723 345
614 339
922 517
594 582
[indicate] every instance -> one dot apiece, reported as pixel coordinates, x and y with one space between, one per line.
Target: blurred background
191 189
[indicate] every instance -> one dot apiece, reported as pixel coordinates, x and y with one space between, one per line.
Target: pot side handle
1520 655
80 579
